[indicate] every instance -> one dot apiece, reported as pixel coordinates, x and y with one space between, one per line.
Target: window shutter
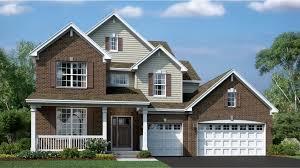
150 84
120 44
225 99
107 43
90 74
238 99
168 85
52 73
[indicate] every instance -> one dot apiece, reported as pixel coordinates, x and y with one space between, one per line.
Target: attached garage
165 139
226 138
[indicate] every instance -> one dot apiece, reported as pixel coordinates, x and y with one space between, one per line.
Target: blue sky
214 36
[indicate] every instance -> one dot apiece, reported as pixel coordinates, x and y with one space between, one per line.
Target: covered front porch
55 127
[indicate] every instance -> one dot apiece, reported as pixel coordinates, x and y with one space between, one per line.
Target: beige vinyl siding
190 87
130 78
160 62
133 48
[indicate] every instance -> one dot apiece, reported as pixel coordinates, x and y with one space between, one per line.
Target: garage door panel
231 140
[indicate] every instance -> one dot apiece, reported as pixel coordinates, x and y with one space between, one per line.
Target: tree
283 57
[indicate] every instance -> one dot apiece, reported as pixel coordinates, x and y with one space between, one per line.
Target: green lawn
78 163
295 157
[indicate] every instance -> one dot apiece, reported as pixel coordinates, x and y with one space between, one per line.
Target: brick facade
69 48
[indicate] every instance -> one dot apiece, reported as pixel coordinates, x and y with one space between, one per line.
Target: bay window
119 79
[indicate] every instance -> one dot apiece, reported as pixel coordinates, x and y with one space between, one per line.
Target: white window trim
111 81
232 90
71 74
59 108
113 35
154 76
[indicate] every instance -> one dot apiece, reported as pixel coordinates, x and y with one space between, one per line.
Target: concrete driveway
249 161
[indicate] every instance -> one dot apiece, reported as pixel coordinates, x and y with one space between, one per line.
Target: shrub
24 143
9 148
144 154
98 145
105 157
87 154
70 153
276 150
26 154
7 157
290 146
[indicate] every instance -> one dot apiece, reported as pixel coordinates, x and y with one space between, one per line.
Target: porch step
126 154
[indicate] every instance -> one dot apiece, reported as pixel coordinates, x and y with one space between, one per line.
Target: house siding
160 62
46 121
133 48
67 48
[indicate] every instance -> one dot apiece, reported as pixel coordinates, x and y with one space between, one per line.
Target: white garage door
231 139
165 139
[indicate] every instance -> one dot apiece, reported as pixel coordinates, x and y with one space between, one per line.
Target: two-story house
112 83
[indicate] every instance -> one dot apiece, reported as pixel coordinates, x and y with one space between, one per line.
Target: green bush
105 157
7 157
9 148
276 150
144 154
70 153
24 143
290 146
26 154
87 154
98 145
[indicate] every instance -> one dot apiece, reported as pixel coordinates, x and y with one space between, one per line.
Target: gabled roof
208 87
52 39
163 43
160 47
125 23
190 74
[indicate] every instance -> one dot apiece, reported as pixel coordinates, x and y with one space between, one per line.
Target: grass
79 164
295 157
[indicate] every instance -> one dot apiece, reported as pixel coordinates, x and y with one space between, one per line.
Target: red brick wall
62 50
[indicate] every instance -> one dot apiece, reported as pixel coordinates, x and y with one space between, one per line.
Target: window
242 127
209 127
250 127
231 97
168 126
225 127
71 121
259 127
71 74
119 79
159 84
234 127
113 42
177 126
160 126
217 127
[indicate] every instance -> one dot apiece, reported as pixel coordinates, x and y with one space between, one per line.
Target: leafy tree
283 57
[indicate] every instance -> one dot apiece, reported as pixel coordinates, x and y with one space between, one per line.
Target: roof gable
205 89
70 26
113 14
182 67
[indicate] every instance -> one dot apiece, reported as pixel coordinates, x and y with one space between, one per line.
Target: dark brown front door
121 132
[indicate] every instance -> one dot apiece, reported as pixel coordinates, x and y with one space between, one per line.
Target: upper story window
119 79
159 83
113 42
71 74
231 97
71 121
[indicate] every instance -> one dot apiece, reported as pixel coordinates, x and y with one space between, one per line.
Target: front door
121 133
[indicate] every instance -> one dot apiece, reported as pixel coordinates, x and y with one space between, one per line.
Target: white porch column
104 122
33 128
145 129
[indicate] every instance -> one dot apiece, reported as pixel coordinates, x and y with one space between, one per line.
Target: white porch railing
60 142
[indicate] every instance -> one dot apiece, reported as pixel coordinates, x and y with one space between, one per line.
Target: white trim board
159 47
55 101
230 122
125 23
42 46
273 109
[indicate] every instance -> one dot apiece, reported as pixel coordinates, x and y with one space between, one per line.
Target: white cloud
194 8
274 4
130 11
13 9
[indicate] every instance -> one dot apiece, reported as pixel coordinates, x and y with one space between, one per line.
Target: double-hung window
119 79
113 42
71 74
159 88
71 121
231 97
